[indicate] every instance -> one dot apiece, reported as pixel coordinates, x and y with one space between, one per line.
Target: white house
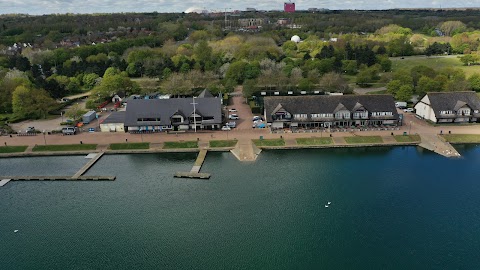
449 107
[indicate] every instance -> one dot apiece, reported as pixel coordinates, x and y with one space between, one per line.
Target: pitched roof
453 101
205 94
165 108
330 104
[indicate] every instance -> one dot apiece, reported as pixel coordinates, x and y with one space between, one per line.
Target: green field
12 149
128 146
407 138
64 147
185 144
314 141
462 138
435 62
269 142
364 139
223 143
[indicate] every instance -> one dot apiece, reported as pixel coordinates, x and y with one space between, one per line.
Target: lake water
391 208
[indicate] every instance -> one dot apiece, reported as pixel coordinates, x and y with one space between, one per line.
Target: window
148 119
382 113
446 112
300 115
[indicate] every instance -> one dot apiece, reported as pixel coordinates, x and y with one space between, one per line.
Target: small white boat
15 231
326 205
329 203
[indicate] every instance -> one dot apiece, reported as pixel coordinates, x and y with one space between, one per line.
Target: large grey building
204 112
330 111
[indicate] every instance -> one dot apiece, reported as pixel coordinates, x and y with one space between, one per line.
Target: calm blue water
392 208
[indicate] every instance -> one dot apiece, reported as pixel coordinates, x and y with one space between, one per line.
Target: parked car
233 117
69 130
400 104
256 118
232 110
409 110
226 128
231 124
30 130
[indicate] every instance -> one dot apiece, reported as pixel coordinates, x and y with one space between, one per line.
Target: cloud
109 6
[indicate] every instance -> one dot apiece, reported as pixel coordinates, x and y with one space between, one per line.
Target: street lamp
44 138
410 129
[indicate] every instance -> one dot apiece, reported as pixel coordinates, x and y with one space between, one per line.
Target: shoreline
196 150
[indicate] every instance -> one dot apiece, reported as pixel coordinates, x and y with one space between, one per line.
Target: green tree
202 52
31 103
394 86
75 112
404 93
334 82
90 80
236 71
474 81
112 85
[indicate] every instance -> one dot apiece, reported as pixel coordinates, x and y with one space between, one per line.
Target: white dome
194 10
295 39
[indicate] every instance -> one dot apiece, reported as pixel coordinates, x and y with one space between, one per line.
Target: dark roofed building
173 114
330 111
114 122
449 107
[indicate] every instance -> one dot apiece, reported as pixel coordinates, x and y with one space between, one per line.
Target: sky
39 7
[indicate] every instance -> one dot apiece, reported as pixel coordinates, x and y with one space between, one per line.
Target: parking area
242 110
54 123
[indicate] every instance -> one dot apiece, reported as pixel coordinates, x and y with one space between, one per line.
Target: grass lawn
462 138
185 144
364 139
13 149
269 142
407 138
64 147
435 62
314 141
127 146
223 143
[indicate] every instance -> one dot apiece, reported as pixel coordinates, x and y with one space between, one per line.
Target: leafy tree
334 82
404 93
394 86
90 80
449 28
249 87
113 84
305 85
426 84
236 71
31 103
75 112
468 59
202 52
474 81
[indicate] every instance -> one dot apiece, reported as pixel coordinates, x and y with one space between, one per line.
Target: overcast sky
39 7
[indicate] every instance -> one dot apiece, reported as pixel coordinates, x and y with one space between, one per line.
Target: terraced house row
330 111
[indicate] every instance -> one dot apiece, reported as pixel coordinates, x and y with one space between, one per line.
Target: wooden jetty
192 175
6 179
87 166
195 171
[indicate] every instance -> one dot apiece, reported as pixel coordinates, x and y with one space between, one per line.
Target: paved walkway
339 140
245 150
438 145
